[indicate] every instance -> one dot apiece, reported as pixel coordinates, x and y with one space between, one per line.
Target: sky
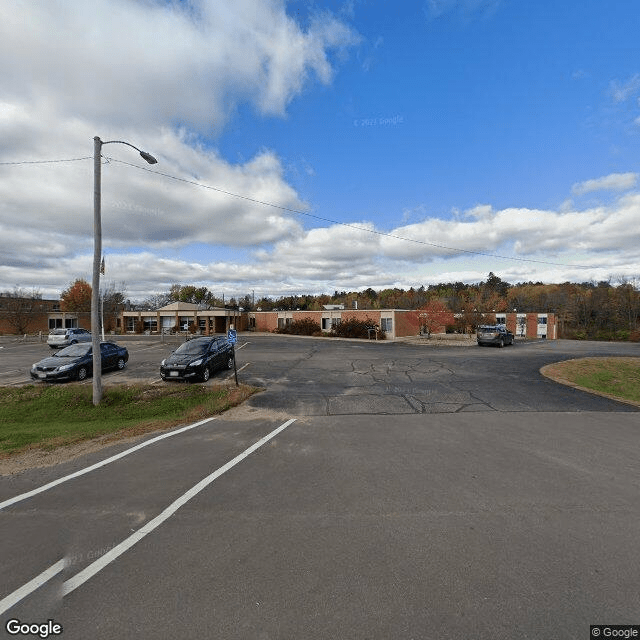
306 147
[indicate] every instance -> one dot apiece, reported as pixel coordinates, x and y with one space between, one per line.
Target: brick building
398 323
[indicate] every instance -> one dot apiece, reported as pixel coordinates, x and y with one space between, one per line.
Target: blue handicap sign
232 336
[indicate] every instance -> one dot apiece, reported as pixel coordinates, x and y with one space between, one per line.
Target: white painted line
31 586
97 465
242 346
244 366
90 571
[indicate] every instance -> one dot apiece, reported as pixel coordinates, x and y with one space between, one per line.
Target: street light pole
97 258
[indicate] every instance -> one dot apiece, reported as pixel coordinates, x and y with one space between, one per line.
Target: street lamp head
148 157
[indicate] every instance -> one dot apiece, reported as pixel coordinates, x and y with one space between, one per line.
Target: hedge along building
182 316
399 323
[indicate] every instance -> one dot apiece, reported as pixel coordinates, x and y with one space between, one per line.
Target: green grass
617 377
49 416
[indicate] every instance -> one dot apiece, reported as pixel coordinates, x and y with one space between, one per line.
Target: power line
46 161
351 226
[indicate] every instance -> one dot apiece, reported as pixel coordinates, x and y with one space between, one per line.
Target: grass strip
50 416
617 378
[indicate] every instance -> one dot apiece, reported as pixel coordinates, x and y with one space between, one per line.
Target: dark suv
496 334
198 359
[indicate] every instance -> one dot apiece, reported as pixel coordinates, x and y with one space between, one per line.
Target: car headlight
162 363
196 363
65 367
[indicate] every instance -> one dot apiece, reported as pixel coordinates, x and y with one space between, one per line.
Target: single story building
398 323
180 316
19 316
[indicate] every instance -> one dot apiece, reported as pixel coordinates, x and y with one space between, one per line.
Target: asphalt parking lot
378 490
308 376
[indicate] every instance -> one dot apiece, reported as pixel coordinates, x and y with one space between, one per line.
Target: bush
353 328
304 327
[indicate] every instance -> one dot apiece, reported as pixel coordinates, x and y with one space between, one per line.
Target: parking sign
232 336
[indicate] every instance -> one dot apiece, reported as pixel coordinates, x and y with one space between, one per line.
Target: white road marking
88 572
31 586
93 467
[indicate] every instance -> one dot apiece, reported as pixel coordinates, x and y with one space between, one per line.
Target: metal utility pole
97 257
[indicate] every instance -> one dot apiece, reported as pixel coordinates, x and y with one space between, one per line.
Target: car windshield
193 348
58 332
74 351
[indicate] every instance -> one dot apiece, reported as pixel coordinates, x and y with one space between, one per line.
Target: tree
433 316
113 301
77 297
19 306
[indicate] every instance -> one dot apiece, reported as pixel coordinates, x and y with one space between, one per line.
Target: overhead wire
347 224
306 213
46 161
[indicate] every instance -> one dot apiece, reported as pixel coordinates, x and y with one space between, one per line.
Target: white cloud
623 91
159 74
612 182
152 63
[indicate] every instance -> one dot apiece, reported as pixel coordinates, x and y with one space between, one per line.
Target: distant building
398 323
181 316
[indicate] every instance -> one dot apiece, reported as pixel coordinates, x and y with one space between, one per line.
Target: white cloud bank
612 182
158 74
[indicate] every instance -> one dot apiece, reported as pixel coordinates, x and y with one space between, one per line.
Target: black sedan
76 362
197 359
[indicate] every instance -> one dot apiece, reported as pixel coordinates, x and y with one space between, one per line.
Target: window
150 323
55 323
386 324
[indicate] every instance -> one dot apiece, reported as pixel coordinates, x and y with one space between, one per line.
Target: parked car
59 338
496 334
198 359
76 362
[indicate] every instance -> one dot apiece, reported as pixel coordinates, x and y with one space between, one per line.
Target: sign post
232 337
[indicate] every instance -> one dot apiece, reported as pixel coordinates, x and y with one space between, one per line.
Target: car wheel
82 373
501 343
206 374
121 363
74 342
230 363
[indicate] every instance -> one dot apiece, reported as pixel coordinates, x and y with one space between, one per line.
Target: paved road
426 515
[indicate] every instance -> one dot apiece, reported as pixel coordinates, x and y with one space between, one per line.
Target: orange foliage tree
77 297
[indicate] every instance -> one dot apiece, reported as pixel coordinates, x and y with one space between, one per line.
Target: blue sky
496 127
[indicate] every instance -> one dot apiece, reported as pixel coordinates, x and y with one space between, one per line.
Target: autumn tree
77 297
433 316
